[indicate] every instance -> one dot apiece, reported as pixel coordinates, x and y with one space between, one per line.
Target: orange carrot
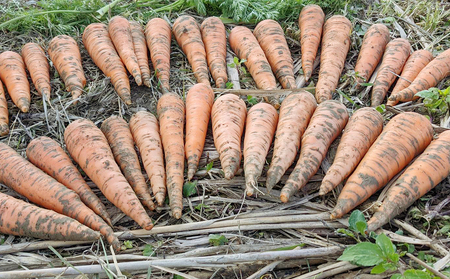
171 112
360 132
395 56
89 148
335 46
23 219
140 48
13 75
428 170
38 67
215 40
120 139
159 35
101 49
295 113
65 55
271 38
4 118
47 154
428 77
189 38
228 119
29 181
145 130
326 124
310 21
199 101
372 49
261 124
120 33
404 137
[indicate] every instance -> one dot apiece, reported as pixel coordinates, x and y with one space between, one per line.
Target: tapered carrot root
360 132
295 113
428 77
189 38
100 47
261 124
120 33
23 219
140 48
335 46
47 154
404 137
29 181
13 75
228 119
4 117
159 35
65 55
395 56
89 148
271 38
372 49
215 40
38 67
199 101
171 112
310 21
145 130
120 139
428 170
326 124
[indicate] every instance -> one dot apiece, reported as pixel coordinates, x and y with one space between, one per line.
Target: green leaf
357 222
445 229
378 269
176 276
229 84
290 247
209 166
389 19
366 84
390 266
231 65
381 108
251 100
385 245
364 254
397 276
447 99
431 93
416 274
346 232
189 188
148 250
128 244
217 239
236 60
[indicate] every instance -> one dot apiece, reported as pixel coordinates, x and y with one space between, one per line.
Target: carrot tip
177 214
148 226
191 173
138 79
284 197
160 197
4 130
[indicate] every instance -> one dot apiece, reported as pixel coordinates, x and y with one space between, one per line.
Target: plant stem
6 23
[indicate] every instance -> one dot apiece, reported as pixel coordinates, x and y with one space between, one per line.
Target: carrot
428 170
140 48
23 219
360 132
215 40
13 75
271 38
47 154
158 35
89 148
295 113
4 118
189 38
145 130
404 137
325 125
335 46
428 77
228 119
118 134
372 49
120 33
101 49
171 112
199 101
65 55
38 67
39 188
394 57
310 21
261 124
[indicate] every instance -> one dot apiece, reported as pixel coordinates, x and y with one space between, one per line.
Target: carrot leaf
217 239
189 188
357 222
148 250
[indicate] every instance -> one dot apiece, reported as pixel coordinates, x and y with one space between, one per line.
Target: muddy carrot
4 117
14 76
38 67
404 137
140 48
